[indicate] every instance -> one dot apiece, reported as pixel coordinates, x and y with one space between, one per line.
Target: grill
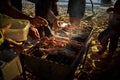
60 66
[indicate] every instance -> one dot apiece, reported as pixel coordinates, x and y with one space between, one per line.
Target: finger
36 33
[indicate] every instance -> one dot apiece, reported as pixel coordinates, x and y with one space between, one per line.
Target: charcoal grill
55 67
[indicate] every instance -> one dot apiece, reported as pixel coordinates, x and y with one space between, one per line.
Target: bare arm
8 9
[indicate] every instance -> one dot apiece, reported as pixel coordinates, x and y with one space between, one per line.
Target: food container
19 28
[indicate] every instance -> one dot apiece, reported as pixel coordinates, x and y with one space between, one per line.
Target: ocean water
96 1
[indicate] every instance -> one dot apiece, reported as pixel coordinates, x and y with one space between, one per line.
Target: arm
110 9
51 17
53 20
116 8
8 9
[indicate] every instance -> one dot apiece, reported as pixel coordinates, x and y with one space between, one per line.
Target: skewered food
58 42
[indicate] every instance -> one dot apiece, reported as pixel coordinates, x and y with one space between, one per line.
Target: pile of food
57 45
56 54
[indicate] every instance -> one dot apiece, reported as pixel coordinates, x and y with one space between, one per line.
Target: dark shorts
76 8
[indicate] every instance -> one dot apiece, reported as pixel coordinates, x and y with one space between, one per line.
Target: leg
42 7
112 46
103 39
54 7
75 21
76 11
113 42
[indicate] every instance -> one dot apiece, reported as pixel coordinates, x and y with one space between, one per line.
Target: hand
5 28
12 42
56 25
39 21
109 10
33 33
